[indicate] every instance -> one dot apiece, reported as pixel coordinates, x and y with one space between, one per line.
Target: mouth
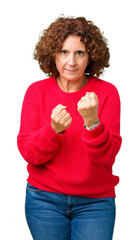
71 70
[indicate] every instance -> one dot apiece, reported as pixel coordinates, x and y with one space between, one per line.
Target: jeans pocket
32 188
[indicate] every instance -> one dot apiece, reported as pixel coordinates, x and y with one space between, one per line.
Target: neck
71 86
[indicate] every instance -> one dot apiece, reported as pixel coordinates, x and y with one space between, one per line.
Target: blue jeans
54 216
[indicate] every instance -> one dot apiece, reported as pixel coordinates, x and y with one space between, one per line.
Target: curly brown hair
51 41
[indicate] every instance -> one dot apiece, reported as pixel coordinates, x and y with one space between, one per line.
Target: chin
71 77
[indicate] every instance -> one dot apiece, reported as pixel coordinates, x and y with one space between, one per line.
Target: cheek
84 65
59 63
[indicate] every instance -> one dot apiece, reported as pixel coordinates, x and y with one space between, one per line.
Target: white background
21 23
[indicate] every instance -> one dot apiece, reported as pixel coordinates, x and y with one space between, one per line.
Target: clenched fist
88 108
60 119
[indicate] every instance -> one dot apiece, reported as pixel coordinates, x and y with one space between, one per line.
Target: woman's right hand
60 119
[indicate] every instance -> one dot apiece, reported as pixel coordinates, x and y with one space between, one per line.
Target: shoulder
38 89
105 84
40 85
104 87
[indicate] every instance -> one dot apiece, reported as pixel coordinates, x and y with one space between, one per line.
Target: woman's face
72 61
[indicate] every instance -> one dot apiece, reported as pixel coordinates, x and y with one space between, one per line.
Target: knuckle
60 121
65 124
52 116
53 110
95 103
57 120
64 111
59 105
81 108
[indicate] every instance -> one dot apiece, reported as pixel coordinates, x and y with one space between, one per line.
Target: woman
70 135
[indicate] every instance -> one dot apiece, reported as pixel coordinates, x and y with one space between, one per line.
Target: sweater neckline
59 91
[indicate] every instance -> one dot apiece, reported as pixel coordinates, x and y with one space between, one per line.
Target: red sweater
78 162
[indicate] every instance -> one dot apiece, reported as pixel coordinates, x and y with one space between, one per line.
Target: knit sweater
78 162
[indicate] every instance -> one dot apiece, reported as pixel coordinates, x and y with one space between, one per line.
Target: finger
86 99
83 99
80 105
68 122
62 113
91 94
86 103
60 106
87 93
58 109
65 122
92 98
64 118
80 102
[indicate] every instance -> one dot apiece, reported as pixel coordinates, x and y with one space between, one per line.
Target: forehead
73 42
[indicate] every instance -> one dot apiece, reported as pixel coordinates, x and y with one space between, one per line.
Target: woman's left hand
88 108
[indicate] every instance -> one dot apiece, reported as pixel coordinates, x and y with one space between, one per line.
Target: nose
72 60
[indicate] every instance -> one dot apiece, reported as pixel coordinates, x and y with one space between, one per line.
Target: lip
71 70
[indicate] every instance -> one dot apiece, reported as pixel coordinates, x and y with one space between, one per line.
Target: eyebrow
64 49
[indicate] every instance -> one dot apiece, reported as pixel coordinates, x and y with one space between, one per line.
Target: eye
80 53
63 52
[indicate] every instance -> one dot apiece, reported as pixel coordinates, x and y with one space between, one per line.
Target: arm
36 145
103 143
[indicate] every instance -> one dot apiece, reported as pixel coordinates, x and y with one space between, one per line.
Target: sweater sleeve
36 144
103 143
